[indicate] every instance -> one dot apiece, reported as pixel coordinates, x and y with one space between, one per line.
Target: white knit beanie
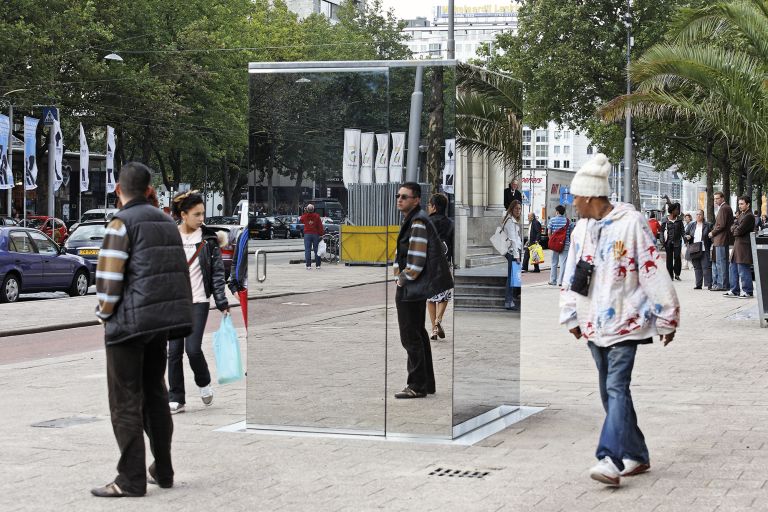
592 179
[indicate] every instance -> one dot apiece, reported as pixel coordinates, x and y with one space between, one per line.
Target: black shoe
112 490
409 393
524 271
677 278
536 271
697 287
152 478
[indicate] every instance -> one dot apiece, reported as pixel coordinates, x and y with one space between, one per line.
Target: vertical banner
382 157
110 159
84 161
58 155
30 156
449 171
366 165
351 171
396 160
6 176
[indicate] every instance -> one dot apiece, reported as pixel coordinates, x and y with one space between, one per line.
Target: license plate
88 252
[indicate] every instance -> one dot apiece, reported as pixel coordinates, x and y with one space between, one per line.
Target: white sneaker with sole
729 294
606 472
633 467
206 394
175 407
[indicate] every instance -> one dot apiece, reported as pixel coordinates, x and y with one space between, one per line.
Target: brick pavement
701 402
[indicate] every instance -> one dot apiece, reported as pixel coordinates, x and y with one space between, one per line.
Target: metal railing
259 252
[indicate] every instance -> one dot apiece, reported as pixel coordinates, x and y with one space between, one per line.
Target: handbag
226 351
499 239
696 249
322 248
515 275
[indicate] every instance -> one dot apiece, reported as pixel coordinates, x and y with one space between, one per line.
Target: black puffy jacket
212 267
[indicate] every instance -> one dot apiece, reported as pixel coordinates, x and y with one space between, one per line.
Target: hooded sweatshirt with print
631 295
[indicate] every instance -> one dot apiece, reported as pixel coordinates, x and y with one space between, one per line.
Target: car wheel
79 284
11 288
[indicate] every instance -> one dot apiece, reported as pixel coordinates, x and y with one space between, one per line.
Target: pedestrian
698 248
534 237
512 193
422 271
759 223
559 243
142 284
615 297
672 236
764 221
313 232
512 225
654 225
202 247
687 220
722 239
741 260
437 304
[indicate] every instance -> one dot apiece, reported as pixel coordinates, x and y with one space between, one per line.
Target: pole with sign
50 117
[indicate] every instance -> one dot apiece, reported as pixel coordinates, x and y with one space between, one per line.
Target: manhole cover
65 422
458 473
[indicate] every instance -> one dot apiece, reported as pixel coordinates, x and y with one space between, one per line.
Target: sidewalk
701 402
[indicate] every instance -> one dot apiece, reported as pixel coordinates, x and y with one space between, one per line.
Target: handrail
259 252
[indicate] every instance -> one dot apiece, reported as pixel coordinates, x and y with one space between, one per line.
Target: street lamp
628 170
114 57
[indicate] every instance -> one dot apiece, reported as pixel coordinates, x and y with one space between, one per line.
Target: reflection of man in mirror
422 271
28 171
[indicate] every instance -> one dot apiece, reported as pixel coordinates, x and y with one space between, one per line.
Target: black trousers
527 258
702 270
674 262
415 341
138 403
193 345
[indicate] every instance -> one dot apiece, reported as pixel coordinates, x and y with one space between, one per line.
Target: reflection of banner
351 171
110 159
58 154
382 157
396 160
84 161
366 162
449 171
6 175
30 156
703 200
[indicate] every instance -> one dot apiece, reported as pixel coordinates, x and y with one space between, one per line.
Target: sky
409 9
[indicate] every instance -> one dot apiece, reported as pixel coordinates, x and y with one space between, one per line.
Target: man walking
145 298
616 297
559 243
672 236
534 237
422 271
742 227
722 239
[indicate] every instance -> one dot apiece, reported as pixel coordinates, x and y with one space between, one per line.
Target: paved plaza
701 403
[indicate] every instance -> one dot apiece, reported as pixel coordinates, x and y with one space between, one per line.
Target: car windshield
88 232
93 216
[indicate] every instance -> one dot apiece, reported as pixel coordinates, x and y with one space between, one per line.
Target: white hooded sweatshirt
631 295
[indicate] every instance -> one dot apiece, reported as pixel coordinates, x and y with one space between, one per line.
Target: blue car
31 262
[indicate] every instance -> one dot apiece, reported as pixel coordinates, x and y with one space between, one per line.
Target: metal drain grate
66 422
458 473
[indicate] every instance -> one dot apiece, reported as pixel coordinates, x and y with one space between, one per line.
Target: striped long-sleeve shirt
558 222
110 268
417 253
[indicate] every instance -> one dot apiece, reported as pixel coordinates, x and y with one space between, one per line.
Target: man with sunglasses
422 271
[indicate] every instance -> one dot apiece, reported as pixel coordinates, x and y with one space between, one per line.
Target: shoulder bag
499 239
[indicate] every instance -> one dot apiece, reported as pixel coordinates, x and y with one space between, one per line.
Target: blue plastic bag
226 351
515 276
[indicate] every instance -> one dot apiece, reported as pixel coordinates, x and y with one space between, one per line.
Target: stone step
484 261
480 250
476 301
480 291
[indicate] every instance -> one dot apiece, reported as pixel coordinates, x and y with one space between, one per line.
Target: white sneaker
318 268
606 472
729 293
206 394
745 295
633 467
175 407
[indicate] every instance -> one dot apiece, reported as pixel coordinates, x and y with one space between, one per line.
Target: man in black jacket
672 237
512 193
534 237
145 298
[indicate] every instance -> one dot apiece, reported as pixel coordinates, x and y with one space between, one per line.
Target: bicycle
332 248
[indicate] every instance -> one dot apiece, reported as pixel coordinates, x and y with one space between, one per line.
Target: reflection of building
328 8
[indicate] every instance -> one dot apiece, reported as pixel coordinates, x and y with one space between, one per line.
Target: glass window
526 151
557 164
44 244
19 242
88 232
558 134
567 135
557 150
566 150
541 136
526 135
589 150
542 150
526 163
541 164
566 164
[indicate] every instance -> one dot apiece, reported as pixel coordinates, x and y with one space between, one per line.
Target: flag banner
351 172
30 156
396 160
58 155
110 159
85 157
449 171
6 175
382 157
366 162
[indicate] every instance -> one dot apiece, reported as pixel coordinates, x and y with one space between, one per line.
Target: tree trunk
742 178
759 199
710 212
750 185
725 171
296 201
146 146
227 185
435 136
270 188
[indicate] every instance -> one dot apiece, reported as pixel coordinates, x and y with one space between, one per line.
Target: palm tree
489 108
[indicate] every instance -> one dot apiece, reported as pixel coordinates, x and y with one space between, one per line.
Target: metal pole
205 189
10 158
414 128
628 170
451 40
51 172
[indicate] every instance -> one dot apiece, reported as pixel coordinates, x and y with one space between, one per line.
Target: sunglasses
403 196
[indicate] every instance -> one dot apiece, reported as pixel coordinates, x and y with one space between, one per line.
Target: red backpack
557 239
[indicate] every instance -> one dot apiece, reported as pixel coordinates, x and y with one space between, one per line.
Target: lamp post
628 171
112 57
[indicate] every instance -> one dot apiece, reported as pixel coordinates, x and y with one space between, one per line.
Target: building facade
328 8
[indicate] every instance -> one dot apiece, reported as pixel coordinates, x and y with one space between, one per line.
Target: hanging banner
449 171
396 160
58 155
30 156
366 162
84 161
351 172
6 176
382 157
110 159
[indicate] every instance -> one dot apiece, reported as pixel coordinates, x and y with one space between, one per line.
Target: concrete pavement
701 402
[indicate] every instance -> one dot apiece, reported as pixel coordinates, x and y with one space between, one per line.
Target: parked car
228 250
31 262
222 221
330 225
328 208
7 221
101 214
86 241
261 227
51 226
295 227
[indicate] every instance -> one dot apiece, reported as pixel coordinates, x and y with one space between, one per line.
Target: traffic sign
50 114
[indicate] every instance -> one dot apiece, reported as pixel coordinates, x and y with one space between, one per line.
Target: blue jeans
721 255
741 271
620 438
558 258
311 242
